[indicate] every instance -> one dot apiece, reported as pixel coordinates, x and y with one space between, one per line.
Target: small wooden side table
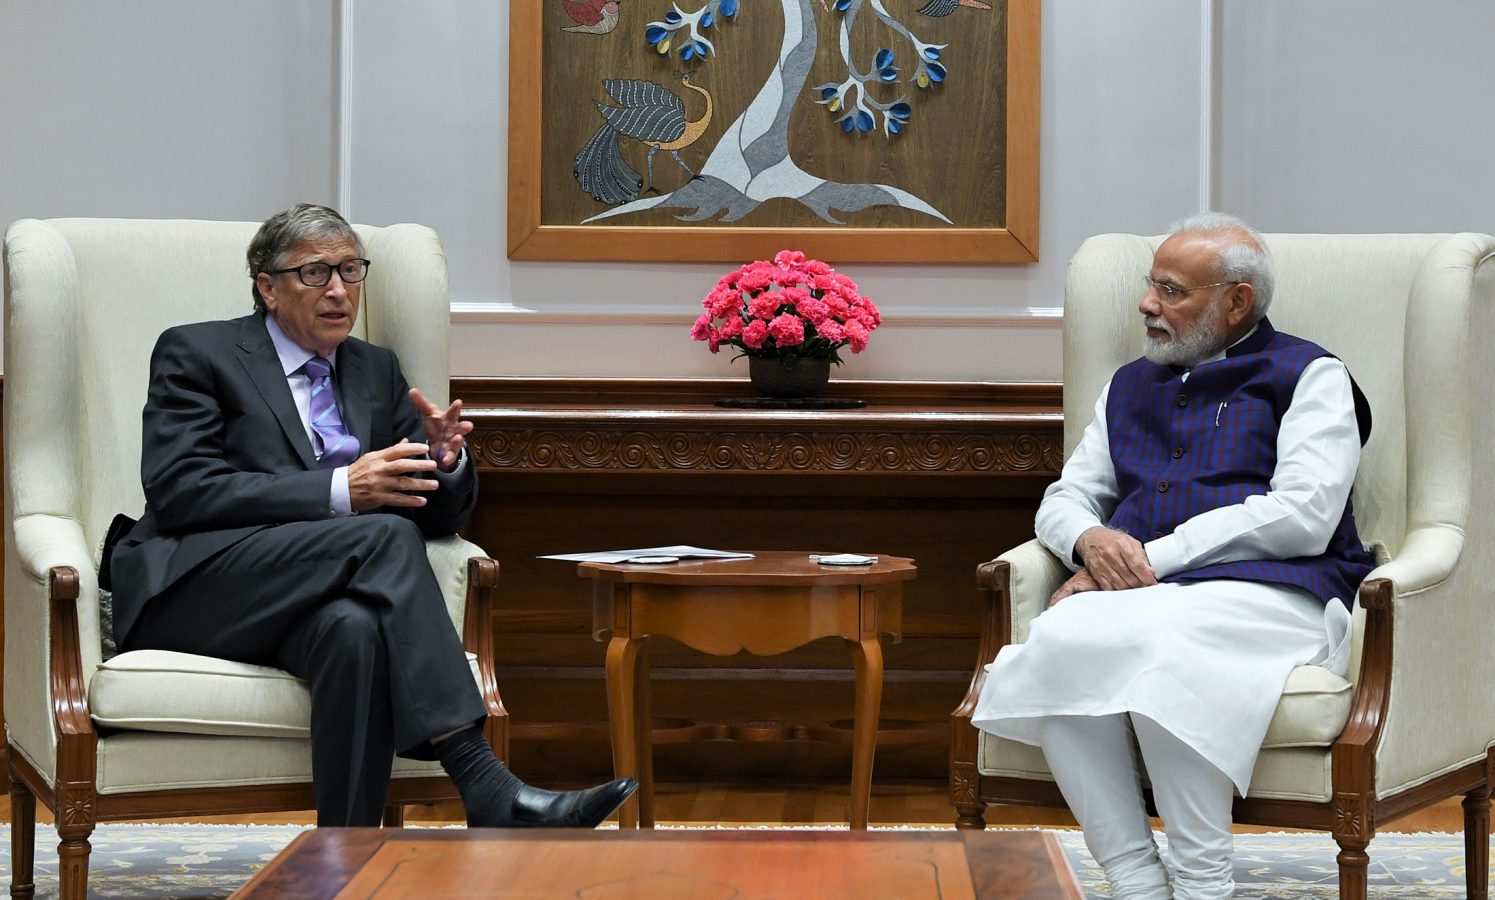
774 603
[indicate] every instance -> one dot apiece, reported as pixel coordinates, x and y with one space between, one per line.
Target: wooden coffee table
664 865
774 603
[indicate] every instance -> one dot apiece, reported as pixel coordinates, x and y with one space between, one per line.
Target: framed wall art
724 130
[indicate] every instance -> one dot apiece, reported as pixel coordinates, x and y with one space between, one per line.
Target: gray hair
304 222
1248 262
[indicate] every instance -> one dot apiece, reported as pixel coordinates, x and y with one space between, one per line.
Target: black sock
487 788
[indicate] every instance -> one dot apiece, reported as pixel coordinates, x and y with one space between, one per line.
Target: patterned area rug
200 861
161 861
1302 866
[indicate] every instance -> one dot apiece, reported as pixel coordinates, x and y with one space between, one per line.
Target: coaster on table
790 403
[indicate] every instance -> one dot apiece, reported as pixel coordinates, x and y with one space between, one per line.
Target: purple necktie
335 445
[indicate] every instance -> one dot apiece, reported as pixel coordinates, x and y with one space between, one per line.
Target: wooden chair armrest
477 637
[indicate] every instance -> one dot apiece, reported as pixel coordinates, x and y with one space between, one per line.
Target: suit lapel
263 365
354 387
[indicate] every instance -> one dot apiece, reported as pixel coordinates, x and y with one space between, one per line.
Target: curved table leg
867 656
643 734
622 689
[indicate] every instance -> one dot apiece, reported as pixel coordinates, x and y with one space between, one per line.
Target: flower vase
789 377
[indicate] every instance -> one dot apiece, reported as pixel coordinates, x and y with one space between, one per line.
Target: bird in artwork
939 8
650 114
592 16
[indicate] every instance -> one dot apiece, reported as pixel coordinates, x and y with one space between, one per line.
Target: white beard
1204 340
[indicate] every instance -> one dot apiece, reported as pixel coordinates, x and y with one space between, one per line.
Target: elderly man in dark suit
291 476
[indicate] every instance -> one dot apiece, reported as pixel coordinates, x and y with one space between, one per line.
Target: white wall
1340 115
1343 115
165 109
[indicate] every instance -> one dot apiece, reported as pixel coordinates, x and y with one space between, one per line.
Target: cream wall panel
1337 115
209 109
1358 115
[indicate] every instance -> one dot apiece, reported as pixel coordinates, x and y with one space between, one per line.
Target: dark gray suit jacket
224 453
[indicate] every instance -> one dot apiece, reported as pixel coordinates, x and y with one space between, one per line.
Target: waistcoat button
1183 399
1162 487
1177 452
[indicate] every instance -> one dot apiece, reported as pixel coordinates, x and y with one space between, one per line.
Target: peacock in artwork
650 114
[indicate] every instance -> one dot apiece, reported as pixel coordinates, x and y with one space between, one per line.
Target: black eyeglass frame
363 265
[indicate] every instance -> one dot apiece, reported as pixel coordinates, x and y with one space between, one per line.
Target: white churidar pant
1200 667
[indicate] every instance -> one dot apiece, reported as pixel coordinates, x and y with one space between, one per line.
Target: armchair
155 733
1414 722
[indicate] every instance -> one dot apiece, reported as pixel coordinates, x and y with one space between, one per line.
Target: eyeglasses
318 273
1171 294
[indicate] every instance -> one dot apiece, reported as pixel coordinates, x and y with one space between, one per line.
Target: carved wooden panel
1353 816
602 445
76 803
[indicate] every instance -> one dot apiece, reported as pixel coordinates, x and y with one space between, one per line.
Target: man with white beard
1206 514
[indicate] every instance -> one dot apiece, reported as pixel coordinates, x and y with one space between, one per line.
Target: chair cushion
131 761
1315 705
162 690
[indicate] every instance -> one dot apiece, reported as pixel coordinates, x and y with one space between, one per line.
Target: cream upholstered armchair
155 733
1415 722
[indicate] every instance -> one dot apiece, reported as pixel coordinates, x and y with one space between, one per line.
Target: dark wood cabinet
948 474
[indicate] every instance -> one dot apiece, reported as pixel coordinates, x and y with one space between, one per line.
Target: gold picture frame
541 229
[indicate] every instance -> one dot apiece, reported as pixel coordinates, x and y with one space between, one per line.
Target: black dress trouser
350 606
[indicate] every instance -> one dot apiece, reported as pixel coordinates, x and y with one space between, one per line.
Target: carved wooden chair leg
394 815
1477 843
970 812
1354 864
72 859
970 817
22 838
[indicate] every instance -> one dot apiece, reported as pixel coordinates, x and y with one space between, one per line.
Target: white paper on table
681 551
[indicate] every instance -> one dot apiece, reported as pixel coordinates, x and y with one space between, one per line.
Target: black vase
790 376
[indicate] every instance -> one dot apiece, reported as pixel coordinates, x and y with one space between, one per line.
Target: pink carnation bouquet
792 306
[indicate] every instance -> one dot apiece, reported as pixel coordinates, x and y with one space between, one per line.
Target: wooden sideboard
946 473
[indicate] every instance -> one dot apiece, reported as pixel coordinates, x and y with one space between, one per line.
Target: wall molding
344 110
502 313
1208 16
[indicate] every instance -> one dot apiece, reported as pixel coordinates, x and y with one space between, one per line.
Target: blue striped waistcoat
1182 448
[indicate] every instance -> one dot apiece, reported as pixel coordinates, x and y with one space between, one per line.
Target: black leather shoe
539 808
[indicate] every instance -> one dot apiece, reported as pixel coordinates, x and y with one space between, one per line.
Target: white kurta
1206 660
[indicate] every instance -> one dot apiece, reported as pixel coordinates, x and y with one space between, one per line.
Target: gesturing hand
1077 583
445 431
383 477
1115 559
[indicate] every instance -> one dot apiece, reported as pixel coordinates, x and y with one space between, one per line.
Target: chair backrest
1380 302
85 300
